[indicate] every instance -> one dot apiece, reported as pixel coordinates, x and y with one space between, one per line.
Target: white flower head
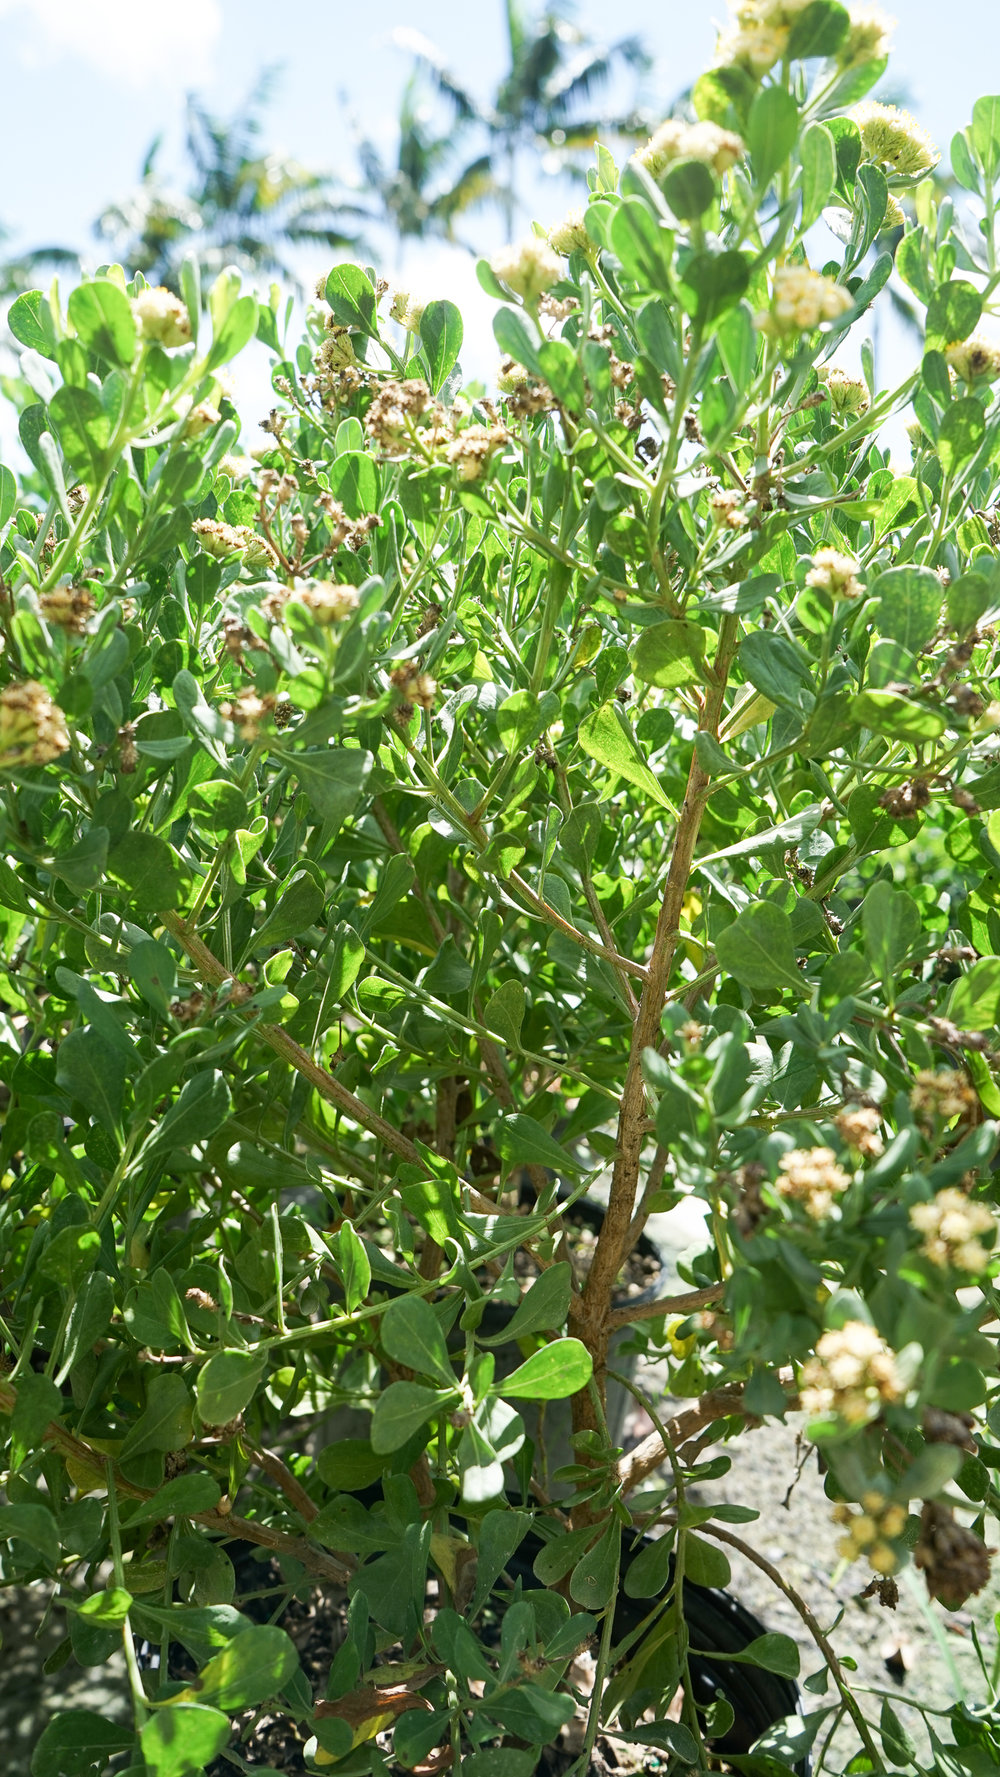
528 268
893 138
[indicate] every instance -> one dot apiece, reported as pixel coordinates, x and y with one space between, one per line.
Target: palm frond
428 57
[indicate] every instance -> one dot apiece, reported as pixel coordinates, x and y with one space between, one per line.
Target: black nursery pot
550 1428
717 1624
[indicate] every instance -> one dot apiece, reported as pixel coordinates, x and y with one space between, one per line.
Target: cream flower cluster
220 539
894 138
405 309
852 1374
944 1093
570 235
328 601
726 508
800 300
162 317
974 359
860 1127
758 36
835 574
811 1177
528 268
848 394
675 140
871 1531
954 1229
32 727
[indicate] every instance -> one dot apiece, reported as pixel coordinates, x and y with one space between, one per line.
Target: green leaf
109 1607
30 321
670 654
605 736
165 1424
401 1409
892 927
182 1739
689 189
152 968
411 1334
354 481
355 1266
558 1370
34 1525
201 1107
974 1001
349 1466
298 905
150 871
778 668
648 1574
504 1013
819 30
38 1401
89 1318
772 128
705 1563
952 313
352 299
960 434
513 337
333 779
909 605
76 1742
8 493
889 712
757 949
226 1384
594 1579
542 1309
819 171
896 1743
182 1497
523 1142
643 244
251 1668
711 283
985 137
236 331
441 339
83 427
774 1653
92 1071
530 1713
102 315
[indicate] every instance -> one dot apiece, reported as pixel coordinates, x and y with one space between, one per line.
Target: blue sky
88 83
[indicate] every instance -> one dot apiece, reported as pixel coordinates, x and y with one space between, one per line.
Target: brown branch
586 942
328 1567
279 1471
589 1317
278 1039
798 1602
688 1303
719 1403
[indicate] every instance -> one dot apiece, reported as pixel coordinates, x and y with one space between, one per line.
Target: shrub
453 806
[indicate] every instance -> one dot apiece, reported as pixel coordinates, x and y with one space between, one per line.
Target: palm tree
418 196
243 206
543 99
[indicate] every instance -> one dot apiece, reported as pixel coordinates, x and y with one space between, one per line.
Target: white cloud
125 40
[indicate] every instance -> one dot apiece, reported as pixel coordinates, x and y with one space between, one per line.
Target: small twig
279 1471
329 1567
836 1671
688 1303
719 1403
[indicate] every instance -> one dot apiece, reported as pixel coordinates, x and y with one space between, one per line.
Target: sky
89 83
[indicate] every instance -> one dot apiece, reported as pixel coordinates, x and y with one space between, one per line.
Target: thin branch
279 1472
328 1567
645 1459
848 1699
687 1303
